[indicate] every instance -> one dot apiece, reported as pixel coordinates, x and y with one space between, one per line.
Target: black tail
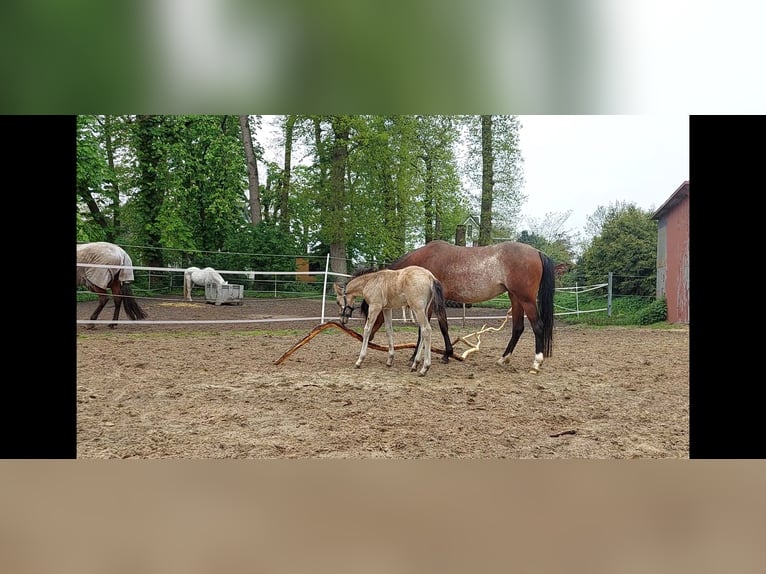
439 304
545 303
132 308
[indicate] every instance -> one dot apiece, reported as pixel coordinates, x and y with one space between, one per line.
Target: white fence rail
298 284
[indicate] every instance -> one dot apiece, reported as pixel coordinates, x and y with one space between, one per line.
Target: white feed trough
228 294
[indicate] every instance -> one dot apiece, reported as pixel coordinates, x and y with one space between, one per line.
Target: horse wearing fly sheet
200 277
476 274
103 266
386 290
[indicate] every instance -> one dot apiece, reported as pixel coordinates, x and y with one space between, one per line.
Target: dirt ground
198 391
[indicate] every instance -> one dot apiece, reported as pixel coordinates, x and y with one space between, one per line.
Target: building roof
677 197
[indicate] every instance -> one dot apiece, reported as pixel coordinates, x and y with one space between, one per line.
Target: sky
578 163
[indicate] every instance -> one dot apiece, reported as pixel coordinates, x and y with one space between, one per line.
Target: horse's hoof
357 366
533 371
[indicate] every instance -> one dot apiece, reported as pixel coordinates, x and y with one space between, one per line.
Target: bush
655 312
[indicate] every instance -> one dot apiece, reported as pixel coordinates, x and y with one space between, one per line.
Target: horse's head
345 303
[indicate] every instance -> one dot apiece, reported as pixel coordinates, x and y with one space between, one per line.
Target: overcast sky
579 163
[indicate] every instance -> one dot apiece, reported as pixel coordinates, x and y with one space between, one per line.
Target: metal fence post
324 287
609 297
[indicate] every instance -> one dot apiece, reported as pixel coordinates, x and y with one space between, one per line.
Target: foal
389 289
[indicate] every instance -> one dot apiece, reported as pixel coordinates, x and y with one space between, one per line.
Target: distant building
471 225
673 253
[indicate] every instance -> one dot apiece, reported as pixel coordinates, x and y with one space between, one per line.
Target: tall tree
284 182
252 170
487 181
91 173
627 247
101 140
109 124
336 207
495 166
444 205
150 195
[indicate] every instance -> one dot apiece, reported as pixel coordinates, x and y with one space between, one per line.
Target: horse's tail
439 304
545 302
132 308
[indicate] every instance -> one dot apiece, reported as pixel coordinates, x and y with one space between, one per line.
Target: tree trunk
150 195
115 192
284 182
337 219
252 171
428 201
487 181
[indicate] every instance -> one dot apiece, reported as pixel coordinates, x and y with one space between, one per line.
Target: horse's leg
517 328
417 354
372 314
423 351
387 319
103 298
417 346
530 307
377 324
117 296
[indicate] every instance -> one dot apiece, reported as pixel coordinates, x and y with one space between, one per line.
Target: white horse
200 277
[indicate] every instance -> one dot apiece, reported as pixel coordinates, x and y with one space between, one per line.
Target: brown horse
389 289
105 266
476 274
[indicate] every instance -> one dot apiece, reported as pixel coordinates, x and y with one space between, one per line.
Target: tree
548 235
334 220
252 170
91 172
100 140
284 182
627 247
494 164
149 197
487 181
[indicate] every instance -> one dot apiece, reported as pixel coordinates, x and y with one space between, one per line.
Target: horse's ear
338 289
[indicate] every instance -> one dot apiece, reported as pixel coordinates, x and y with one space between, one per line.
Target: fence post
609 297
324 287
577 298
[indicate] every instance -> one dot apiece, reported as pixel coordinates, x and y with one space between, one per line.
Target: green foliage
627 247
265 247
655 312
86 230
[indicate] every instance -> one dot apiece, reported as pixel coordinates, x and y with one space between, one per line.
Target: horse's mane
364 271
